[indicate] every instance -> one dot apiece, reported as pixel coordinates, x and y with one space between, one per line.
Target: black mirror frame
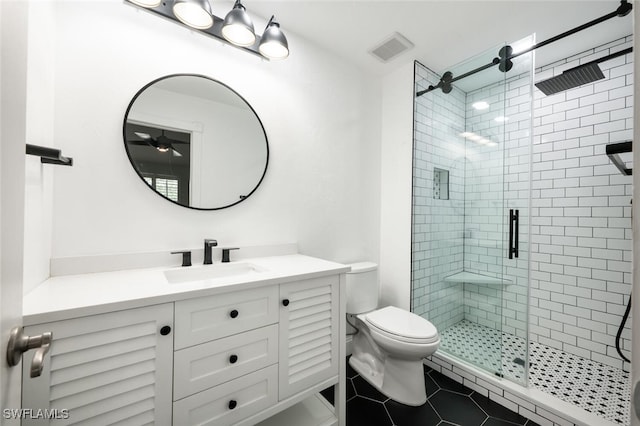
124 138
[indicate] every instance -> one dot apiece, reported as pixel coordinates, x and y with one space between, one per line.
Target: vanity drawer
230 402
209 318
203 366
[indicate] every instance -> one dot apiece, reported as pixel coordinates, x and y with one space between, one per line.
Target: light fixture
273 44
480 105
146 3
237 27
194 13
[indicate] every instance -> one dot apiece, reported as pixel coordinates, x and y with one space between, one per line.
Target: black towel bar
49 155
614 149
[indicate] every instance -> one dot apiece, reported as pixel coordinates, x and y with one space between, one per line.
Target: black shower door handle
514 230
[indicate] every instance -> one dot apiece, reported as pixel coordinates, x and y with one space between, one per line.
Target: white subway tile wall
438 224
581 212
580 216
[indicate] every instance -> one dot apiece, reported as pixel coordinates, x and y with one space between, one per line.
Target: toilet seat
401 325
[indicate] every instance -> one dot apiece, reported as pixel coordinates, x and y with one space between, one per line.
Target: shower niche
440 184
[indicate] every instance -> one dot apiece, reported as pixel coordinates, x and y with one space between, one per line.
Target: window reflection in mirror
163 159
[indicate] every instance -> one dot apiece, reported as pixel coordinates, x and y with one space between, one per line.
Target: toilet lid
402 323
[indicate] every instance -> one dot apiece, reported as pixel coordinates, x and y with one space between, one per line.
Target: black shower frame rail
505 56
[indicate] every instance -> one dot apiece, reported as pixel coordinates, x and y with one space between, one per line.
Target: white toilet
390 343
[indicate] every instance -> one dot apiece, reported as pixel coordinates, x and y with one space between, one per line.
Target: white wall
395 187
13 82
320 189
40 118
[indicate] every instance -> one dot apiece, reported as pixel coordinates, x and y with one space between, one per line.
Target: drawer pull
232 404
233 314
285 302
165 330
233 359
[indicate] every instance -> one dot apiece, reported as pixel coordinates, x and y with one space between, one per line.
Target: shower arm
505 55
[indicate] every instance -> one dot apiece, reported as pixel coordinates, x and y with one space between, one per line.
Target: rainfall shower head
577 76
574 77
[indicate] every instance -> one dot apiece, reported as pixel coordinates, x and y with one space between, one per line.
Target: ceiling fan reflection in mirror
162 143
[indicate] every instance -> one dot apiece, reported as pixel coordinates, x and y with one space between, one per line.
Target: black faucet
208 243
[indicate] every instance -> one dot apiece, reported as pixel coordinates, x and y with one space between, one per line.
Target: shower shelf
472 278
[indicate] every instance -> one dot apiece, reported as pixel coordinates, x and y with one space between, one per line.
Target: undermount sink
210 272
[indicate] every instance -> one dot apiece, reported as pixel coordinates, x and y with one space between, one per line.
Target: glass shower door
470 212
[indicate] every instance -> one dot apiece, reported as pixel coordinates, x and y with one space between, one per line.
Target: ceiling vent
391 47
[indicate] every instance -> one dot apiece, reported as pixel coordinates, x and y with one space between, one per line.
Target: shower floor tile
594 387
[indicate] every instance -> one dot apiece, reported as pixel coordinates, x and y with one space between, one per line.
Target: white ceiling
445 33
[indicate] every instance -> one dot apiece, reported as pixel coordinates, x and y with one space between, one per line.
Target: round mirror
195 141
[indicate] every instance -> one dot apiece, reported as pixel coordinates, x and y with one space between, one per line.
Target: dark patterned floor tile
449 384
430 385
495 410
351 392
457 408
492 421
363 388
328 394
405 415
365 412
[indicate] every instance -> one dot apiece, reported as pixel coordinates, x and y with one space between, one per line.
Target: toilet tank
362 288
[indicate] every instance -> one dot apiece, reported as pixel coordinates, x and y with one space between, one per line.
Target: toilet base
399 379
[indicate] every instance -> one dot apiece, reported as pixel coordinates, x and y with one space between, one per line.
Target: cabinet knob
233 314
232 404
233 359
165 330
285 302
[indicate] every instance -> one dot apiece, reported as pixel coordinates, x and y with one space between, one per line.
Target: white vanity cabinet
225 366
241 356
308 334
112 368
237 357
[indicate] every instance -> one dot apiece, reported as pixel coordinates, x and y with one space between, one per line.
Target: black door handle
514 231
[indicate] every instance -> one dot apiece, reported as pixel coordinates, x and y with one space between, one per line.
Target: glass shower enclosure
471 196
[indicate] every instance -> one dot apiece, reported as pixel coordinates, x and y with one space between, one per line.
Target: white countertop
74 296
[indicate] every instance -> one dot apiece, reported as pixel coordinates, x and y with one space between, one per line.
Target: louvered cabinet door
112 368
309 324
